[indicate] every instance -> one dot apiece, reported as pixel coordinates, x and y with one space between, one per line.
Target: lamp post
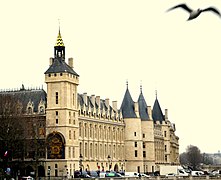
109 161
49 172
80 163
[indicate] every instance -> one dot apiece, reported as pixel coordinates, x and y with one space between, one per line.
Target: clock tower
61 114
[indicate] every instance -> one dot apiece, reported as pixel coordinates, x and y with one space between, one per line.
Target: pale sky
113 41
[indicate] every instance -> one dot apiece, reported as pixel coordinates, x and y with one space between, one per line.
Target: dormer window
41 110
30 110
30 107
41 107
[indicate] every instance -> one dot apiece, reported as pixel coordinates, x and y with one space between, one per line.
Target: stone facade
89 133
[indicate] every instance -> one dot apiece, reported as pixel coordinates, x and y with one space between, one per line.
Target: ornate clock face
55 146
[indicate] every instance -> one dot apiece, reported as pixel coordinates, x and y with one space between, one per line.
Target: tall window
69 117
69 134
74 136
73 153
80 130
135 134
135 144
91 147
56 112
135 153
56 97
144 154
73 99
73 117
69 152
90 130
165 134
144 146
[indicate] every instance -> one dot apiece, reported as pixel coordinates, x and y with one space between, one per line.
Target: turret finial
141 86
127 83
59 41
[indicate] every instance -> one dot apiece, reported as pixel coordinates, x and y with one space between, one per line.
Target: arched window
85 130
91 152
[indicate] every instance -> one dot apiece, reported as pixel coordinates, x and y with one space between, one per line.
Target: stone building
86 132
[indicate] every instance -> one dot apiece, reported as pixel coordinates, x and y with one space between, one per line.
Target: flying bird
195 13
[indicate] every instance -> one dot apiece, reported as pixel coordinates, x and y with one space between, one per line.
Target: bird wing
212 9
184 6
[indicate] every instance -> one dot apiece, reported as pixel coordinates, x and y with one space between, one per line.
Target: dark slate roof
157 112
127 106
24 96
142 107
59 66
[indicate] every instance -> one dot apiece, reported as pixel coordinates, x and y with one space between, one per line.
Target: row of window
102 114
72 119
136 153
57 98
135 144
97 151
100 132
61 74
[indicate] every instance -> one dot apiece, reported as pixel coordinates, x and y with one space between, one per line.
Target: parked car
113 174
197 173
170 175
145 175
94 174
81 174
27 178
131 174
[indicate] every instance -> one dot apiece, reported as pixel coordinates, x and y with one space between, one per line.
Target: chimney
50 61
85 98
93 100
166 114
149 111
107 102
70 62
97 100
136 109
114 105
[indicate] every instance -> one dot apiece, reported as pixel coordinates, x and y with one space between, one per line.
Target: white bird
195 13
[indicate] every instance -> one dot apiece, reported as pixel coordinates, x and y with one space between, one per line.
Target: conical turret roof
157 112
142 107
127 106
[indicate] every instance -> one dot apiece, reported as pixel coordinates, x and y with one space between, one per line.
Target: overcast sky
113 41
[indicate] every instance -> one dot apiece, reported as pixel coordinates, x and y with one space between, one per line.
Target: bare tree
11 128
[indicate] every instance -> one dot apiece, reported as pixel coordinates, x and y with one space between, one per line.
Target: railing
141 178
131 178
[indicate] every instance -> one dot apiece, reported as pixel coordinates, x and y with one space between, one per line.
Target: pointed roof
142 107
28 95
59 66
157 112
127 106
59 41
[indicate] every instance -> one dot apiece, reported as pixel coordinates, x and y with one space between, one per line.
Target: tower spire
59 41
59 48
127 84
